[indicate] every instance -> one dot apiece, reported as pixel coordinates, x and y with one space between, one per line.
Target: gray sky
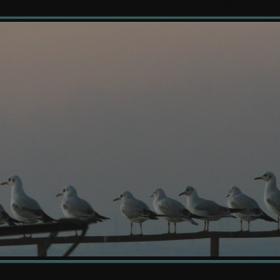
115 106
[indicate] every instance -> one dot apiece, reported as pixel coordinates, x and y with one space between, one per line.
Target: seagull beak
228 195
59 194
118 198
182 193
258 178
153 195
4 183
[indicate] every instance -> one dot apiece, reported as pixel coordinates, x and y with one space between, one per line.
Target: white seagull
173 210
73 206
237 199
210 210
271 193
5 218
25 208
135 210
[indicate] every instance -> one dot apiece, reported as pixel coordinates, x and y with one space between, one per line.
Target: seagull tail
265 217
150 214
235 210
101 218
12 222
45 218
197 216
193 222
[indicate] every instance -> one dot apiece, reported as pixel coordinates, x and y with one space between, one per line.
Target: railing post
41 250
214 247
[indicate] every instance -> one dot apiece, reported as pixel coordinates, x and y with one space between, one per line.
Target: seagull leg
175 228
204 225
131 228
141 229
168 227
241 225
207 225
248 225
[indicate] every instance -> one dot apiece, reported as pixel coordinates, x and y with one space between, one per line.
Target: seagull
74 207
271 193
210 210
135 210
173 210
236 199
25 208
6 219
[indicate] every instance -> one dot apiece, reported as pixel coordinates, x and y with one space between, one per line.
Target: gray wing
274 203
133 208
170 207
78 207
206 208
81 209
8 219
27 212
244 201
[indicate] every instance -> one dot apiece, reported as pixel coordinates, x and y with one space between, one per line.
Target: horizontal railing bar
139 238
61 225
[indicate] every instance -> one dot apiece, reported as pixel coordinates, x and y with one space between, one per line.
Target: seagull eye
13 180
9 179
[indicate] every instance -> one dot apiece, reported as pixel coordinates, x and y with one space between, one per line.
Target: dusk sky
113 106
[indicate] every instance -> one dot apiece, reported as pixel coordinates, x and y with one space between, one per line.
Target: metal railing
43 243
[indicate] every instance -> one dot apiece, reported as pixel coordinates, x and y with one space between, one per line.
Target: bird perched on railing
25 208
73 206
173 210
211 210
237 199
271 193
5 218
135 210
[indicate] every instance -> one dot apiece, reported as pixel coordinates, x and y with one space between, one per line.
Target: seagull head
14 180
124 195
188 191
267 177
68 191
234 191
158 193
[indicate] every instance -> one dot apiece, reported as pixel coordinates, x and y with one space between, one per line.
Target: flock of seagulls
26 210
173 210
207 208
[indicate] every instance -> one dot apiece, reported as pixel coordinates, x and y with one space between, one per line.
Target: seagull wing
78 208
133 208
170 207
274 203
